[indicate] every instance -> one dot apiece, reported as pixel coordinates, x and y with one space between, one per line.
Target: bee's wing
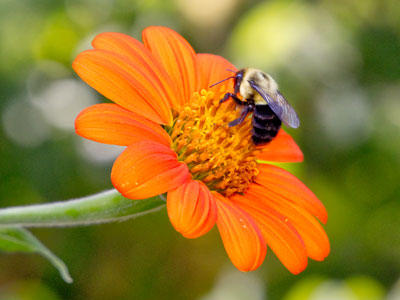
289 115
280 107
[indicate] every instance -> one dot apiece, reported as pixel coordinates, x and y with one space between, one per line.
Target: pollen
223 157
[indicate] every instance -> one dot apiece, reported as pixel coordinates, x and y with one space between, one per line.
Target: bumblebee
261 97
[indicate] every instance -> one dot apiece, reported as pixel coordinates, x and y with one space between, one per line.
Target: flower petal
213 68
278 232
147 169
310 230
111 124
281 149
192 209
137 54
280 182
242 238
124 83
177 57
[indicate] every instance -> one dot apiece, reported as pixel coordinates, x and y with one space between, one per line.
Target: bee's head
238 80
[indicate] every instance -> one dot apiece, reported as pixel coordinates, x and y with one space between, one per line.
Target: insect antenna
222 81
230 70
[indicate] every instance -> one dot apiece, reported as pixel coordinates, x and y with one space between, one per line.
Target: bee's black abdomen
265 124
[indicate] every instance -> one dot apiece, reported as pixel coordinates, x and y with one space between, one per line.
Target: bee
261 97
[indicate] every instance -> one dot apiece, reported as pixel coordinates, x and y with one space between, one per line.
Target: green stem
108 206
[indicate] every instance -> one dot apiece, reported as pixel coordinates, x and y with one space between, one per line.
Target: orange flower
178 142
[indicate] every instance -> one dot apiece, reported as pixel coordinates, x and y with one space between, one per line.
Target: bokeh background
338 63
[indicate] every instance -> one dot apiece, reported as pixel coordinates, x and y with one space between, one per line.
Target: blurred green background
338 63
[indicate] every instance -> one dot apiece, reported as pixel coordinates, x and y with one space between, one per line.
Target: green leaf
21 240
109 206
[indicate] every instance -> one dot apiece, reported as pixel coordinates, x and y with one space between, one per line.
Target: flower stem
104 207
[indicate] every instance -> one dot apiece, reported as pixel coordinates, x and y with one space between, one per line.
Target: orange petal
147 169
192 209
177 57
124 83
278 232
111 124
281 149
137 54
213 68
280 182
310 230
242 238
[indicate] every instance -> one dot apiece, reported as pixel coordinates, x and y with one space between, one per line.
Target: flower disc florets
223 157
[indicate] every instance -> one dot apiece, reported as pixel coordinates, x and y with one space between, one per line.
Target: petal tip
192 209
240 235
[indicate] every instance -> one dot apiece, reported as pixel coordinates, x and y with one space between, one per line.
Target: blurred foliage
337 62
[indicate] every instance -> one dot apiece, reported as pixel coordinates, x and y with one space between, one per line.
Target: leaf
21 240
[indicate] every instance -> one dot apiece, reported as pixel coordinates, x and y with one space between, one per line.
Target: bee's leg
226 97
234 97
243 115
238 101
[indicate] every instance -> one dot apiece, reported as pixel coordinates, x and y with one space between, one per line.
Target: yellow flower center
223 157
